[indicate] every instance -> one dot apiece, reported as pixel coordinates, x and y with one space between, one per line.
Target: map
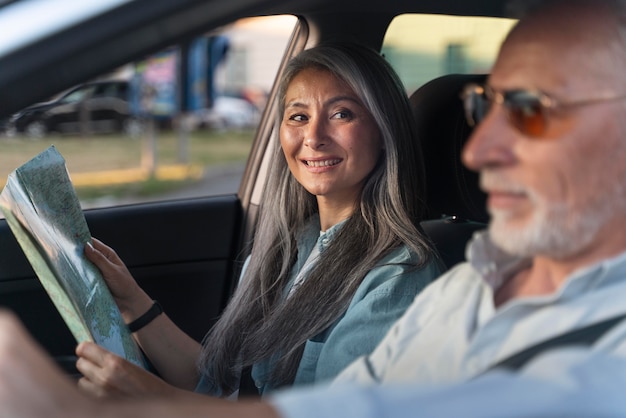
44 213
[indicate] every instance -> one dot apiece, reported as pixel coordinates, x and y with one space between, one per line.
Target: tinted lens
526 112
476 104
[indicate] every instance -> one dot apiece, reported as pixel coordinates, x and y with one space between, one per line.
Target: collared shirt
453 333
381 299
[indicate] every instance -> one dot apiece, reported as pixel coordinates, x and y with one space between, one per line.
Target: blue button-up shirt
383 296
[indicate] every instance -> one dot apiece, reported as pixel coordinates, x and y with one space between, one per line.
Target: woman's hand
172 352
108 375
130 298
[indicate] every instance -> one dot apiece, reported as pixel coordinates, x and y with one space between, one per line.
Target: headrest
451 189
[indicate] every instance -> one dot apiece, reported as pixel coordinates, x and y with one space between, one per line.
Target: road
224 179
216 180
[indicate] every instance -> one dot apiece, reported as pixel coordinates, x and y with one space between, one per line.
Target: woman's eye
342 114
298 118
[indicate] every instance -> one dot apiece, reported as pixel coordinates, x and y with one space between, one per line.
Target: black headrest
451 189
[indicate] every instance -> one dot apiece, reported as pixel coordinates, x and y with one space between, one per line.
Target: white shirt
453 333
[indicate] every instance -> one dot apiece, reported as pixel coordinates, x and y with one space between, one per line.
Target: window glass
128 142
77 95
44 17
422 47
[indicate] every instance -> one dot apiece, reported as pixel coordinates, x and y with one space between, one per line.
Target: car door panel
181 252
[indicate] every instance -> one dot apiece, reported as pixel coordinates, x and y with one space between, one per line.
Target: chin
515 237
549 236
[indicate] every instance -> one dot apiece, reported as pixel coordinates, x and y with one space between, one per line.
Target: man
551 152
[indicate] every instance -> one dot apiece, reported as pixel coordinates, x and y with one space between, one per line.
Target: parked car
187 253
227 113
94 107
4 126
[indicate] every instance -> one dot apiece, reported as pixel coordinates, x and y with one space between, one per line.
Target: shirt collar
311 233
496 266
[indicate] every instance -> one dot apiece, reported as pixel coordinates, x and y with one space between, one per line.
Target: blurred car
4 126
95 107
228 113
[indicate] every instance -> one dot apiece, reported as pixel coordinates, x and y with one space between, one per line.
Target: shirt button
258 384
325 241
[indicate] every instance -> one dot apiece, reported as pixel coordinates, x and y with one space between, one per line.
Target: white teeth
325 163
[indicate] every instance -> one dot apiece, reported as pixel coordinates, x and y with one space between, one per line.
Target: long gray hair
258 322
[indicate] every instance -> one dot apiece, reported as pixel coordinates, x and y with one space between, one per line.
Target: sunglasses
527 110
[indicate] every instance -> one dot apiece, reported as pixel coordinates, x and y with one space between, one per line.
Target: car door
185 252
181 253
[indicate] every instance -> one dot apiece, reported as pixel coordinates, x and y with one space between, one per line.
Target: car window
115 89
78 94
144 149
422 47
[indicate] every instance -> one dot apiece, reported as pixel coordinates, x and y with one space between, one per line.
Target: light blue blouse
382 297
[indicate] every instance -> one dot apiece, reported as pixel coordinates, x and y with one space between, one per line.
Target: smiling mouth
322 163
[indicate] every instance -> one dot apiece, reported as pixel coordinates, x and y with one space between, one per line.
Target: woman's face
329 139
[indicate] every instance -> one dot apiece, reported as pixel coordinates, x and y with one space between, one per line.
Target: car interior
187 253
455 204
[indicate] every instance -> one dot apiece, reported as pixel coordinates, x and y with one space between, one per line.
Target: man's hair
259 323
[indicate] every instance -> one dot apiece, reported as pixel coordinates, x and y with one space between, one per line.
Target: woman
337 257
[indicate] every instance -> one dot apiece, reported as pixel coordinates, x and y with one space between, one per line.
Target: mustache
492 181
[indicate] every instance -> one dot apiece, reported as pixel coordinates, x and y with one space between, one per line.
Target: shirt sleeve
562 382
386 293
371 368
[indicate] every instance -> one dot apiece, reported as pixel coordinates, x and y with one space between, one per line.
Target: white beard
555 230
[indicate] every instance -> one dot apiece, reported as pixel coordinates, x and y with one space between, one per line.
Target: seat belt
585 336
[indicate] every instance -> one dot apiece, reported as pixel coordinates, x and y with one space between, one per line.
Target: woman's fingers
91 352
103 256
108 252
119 280
104 373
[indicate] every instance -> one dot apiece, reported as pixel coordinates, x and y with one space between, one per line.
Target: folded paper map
40 205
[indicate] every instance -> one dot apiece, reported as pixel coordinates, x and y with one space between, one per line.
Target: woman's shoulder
399 273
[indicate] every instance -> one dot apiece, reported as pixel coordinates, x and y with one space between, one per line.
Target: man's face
553 194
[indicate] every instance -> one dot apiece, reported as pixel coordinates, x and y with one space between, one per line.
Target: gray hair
258 323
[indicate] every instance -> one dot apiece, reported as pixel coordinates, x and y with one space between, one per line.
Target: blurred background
180 123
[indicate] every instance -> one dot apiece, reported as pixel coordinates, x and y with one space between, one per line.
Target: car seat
455 204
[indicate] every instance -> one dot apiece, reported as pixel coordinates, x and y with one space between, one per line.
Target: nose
316 133
491 143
